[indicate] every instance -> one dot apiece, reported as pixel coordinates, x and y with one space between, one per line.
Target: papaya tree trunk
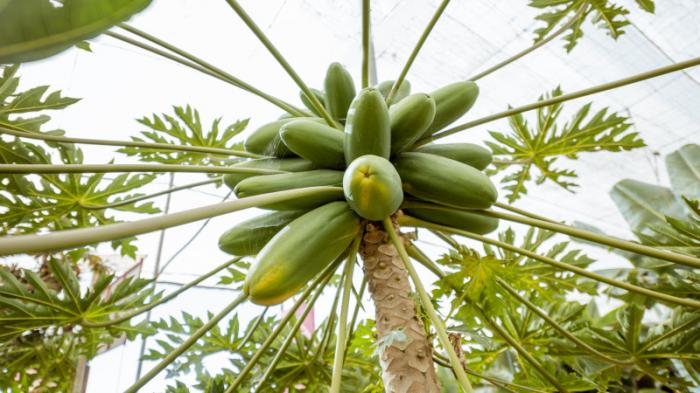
406 359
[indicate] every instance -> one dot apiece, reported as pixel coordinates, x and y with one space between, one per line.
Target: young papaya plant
346 177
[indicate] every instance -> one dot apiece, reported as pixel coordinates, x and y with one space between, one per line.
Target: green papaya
403 92
451 103
265 140
250 236
307 102
466 153
372 187
281 164
340 91
444 181
286 181
299 252
410 119
318 143
454 218
368 127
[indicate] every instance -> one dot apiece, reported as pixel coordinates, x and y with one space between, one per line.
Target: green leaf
35 29
644 205
541 146
185 128
606 14
683 166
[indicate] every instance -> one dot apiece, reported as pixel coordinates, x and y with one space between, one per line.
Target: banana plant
342 175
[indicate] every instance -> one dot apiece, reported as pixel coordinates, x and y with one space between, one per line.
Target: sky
120 83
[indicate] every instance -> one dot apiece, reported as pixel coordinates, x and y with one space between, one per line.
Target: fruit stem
107 142
365 42
341 336
65 239
163 300
429 309
109 168
324 276
202 66
565 97
412 221
282 62
186 344
571 22
150 196
621 244
414 53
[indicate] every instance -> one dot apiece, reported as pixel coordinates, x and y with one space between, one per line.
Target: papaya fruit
281 164
265 140
454 218
250 236
286 181
296 254
466 153
307 102
372 187
403 92
410 119
444 181
318 143
451 103
368 127
340 91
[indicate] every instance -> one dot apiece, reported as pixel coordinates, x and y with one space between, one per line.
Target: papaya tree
348 176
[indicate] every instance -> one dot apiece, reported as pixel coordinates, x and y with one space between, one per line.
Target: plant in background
341 177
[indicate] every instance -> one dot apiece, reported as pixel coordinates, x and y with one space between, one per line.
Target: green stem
186 344
327 272
522 351
447 239
356 311
522 212
342 322
320 108
330 325
532 307
109 168
107 142
535 46
288 340
412 221
415 253
252 330
637 248
429 309
412 57
163 300
365 42
670 333
150 196
498 382
61 240
565 97
209 68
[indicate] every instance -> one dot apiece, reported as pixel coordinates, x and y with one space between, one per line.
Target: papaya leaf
644 205
185 128
540 147
32 302
606 14
683 166
35 29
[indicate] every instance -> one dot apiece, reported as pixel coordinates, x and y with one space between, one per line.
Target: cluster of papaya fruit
370 159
